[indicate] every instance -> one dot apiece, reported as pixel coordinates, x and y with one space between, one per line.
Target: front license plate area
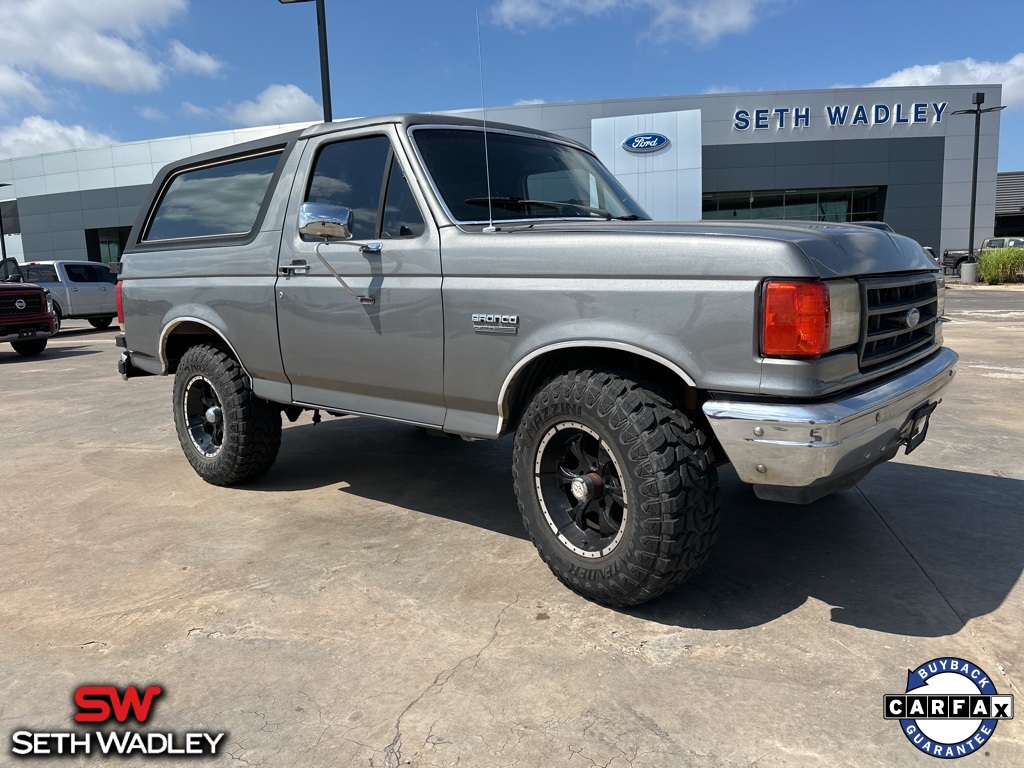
918 425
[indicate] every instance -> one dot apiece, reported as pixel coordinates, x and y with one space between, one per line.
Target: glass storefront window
835 205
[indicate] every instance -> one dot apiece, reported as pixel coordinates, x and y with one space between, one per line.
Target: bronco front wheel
616 487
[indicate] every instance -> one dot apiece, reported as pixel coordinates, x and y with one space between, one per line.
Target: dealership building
898 155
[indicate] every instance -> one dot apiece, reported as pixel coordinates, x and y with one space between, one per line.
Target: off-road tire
668 479
251 427
29 348
101 322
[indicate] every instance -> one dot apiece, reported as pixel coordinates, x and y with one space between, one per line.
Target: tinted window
401 216
79 273
521 167
221 199
89 273
102 274
351 173
995 243
42 273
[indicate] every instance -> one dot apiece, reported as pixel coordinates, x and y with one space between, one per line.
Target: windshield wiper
629 217
523 203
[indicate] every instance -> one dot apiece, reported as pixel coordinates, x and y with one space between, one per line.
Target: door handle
297 267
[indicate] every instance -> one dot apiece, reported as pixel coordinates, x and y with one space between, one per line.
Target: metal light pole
977 100
3 245
325 71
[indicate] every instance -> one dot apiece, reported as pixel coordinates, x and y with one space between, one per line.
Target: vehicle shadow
911 551
401 465
50 353
879 554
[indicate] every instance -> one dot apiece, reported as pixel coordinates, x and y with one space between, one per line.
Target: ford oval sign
645 142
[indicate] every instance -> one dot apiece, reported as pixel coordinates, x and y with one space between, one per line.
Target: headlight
844 298
940 295
49 303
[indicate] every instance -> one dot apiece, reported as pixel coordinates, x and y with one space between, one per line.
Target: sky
78 73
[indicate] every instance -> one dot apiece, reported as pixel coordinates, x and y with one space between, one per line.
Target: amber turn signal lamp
797 321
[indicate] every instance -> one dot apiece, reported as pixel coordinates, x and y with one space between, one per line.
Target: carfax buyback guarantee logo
950 708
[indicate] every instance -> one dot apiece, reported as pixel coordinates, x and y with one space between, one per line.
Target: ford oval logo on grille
645 142
20 304
912 318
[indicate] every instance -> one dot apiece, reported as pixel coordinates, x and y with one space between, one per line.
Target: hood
829 250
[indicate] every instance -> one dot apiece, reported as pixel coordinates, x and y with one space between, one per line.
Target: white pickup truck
80 289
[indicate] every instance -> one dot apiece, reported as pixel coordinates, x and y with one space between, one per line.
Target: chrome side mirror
331 222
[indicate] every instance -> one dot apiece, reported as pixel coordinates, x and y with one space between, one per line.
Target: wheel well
536 372
188 334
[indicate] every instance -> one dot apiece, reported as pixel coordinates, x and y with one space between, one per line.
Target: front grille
886 338
33 304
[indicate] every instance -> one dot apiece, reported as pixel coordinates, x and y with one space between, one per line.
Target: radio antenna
483 103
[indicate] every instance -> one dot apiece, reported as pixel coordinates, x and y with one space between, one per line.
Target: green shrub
1002 265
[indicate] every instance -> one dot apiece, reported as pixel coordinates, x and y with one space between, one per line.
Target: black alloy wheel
204 416
579 486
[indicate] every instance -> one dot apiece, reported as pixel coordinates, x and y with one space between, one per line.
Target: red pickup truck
26 311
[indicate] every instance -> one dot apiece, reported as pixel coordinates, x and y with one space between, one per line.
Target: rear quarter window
214 200
42 273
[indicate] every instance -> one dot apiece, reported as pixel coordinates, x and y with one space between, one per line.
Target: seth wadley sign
838 116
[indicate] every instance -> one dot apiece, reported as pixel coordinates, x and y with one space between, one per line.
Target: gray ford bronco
489 280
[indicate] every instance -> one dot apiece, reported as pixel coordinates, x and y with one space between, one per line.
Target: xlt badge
496 324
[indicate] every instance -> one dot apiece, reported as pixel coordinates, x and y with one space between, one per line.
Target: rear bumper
801 452
125 367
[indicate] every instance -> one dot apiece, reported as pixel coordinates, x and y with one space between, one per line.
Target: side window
401 216
995 244
351 173
44 273
102 274
223 199
79 273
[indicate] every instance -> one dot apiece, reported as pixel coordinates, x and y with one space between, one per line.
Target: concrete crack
393 751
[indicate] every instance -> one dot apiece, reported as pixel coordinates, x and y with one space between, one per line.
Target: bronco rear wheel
228 434
616 486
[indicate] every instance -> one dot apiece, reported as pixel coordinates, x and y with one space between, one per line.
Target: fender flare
576 344
172 324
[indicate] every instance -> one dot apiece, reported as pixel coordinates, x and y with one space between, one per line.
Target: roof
408 120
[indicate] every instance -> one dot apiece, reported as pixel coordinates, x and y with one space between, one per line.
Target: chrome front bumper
799 453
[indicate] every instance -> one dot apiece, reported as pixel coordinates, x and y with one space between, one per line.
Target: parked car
953 259
488 280
80 289
26 312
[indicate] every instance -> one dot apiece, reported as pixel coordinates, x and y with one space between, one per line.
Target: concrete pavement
373 600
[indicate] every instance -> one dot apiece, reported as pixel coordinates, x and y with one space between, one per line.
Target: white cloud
1009 73
99 42
194 110
14 86
150 113
35 135
700 21
184 59
527 102
712 89
276 104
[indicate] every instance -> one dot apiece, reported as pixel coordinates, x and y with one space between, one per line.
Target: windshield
531 178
